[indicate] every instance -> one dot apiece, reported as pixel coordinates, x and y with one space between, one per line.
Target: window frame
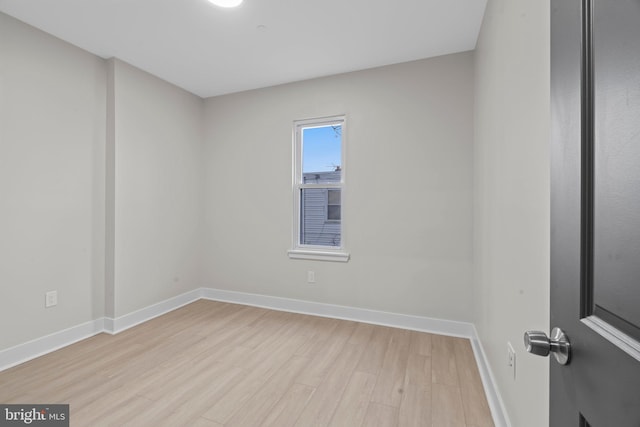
317 252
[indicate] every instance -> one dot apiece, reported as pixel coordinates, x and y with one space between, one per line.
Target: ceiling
210 51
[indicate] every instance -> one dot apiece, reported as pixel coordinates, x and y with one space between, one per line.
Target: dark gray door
595 211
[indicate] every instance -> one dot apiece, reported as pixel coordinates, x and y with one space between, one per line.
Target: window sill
318 255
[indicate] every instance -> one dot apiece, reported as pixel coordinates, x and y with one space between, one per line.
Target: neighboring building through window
318 189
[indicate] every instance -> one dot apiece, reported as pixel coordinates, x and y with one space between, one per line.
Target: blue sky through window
321 148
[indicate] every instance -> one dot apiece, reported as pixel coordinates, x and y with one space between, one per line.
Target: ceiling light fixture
226 3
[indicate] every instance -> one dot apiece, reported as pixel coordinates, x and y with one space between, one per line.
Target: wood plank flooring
214 364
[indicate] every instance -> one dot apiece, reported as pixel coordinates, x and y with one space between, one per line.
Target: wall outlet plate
50 299
511 359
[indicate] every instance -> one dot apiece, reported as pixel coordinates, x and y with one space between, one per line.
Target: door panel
595 211
616 42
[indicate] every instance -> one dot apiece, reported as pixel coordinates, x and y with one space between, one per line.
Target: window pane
333 205
321 154
315 229
334 197
333 212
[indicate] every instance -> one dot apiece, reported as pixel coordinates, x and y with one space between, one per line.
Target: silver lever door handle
537 342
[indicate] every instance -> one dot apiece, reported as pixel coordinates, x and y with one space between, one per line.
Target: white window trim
318 255
311 252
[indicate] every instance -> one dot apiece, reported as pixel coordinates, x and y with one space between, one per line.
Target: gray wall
52 137
115 183
408 230
101 184
511 208
158 189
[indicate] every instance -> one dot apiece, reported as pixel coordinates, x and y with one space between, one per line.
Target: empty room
318 213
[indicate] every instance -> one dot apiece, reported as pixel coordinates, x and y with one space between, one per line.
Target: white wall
511 207
408 200
158 189
171 172
101 186
52 135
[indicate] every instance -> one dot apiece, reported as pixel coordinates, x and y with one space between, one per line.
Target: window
318 185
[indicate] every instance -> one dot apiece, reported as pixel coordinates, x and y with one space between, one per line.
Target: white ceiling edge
210 51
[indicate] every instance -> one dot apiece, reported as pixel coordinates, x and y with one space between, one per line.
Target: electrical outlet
50 299
511 359
311 276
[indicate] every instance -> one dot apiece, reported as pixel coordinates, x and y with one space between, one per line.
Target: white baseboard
40 346
23 352
404 321
122 323
496 404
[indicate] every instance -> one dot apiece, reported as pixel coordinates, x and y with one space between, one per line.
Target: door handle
537 342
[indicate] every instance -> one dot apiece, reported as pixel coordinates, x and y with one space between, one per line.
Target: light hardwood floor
218 364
